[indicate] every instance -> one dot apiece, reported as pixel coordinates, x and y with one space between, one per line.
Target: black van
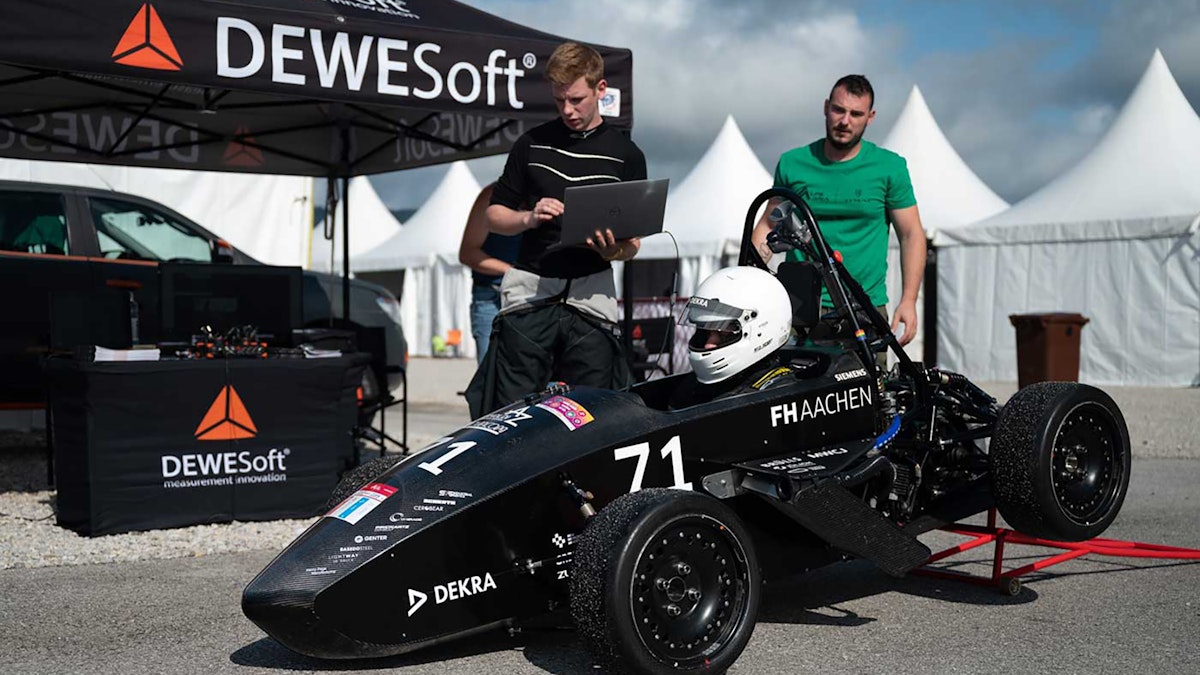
64 250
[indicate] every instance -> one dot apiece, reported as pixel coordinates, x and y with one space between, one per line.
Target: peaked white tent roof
948 193
371 223
434 231
1139 181
708 208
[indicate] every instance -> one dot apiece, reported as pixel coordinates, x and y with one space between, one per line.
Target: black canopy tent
326 88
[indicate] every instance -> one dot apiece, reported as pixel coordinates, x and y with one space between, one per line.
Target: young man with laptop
558 312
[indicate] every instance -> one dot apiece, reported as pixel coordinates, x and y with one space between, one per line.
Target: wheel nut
683 568
660 583
693 594
673 610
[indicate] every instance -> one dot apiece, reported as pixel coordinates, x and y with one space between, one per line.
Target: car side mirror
222 252
803 284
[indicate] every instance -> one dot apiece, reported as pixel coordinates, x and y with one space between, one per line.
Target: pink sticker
567 411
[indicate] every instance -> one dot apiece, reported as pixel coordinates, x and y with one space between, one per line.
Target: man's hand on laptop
547 208
609 248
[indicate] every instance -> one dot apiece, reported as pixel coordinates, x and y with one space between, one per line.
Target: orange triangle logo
147 44
238 153
227 419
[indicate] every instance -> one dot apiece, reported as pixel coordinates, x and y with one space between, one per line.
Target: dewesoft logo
227 419
147 44
290 54
243 150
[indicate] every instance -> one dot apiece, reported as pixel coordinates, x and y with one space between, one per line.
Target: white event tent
707 210
948 193
266 216
437 288
371 223
1114 238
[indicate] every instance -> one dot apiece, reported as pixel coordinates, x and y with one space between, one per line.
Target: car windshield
131 231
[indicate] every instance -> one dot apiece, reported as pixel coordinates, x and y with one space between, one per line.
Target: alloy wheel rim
689 591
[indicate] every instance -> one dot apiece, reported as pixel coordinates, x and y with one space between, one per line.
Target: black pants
548 343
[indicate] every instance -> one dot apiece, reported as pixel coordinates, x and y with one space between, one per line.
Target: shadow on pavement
553 650
267 653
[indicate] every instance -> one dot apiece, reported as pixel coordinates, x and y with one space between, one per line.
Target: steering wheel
794 227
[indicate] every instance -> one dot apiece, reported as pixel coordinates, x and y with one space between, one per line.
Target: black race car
655 525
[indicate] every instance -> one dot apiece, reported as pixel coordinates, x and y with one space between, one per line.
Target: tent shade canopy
303 87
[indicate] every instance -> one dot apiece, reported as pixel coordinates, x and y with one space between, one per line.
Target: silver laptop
631 209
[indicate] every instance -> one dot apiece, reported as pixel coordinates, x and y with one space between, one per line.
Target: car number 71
672 449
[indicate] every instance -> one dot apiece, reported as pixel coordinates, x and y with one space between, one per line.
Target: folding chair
453 341
372 340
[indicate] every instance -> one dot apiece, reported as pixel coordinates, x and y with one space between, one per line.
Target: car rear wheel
665 581
1060 461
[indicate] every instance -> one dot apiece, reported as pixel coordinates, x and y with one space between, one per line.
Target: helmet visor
717 324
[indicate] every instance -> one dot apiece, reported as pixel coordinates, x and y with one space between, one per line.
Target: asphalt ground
1090 615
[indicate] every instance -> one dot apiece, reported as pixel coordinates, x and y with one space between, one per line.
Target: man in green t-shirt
855 188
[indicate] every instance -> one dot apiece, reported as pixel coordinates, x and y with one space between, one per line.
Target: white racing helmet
741 315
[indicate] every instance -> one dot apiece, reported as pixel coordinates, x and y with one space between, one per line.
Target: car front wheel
665 581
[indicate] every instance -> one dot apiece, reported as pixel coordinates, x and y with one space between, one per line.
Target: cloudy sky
1021 88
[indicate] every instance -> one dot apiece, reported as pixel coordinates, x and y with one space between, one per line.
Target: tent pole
346 248
627 300
930 355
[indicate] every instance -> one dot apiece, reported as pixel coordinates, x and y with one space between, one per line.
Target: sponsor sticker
820 406
449 592
570 413
561 541
610 105
500 422
362 502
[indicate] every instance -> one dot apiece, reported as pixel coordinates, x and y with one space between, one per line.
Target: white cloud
770 63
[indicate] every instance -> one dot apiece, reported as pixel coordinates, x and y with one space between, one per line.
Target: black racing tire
1060 461
665 581
359 476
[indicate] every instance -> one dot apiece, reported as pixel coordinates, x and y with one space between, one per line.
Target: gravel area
29 536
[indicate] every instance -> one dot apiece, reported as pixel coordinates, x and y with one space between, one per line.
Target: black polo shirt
543 163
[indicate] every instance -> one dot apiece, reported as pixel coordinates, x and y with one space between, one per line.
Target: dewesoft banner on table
146 445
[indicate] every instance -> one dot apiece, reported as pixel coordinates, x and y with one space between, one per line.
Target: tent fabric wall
437 288
1142 297
266 216
371 223
948 194
1115 239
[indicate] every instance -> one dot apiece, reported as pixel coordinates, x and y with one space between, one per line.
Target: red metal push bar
1009 582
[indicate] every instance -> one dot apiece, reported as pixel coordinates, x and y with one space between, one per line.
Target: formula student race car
656 525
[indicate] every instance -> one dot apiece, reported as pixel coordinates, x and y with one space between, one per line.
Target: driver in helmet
742 315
